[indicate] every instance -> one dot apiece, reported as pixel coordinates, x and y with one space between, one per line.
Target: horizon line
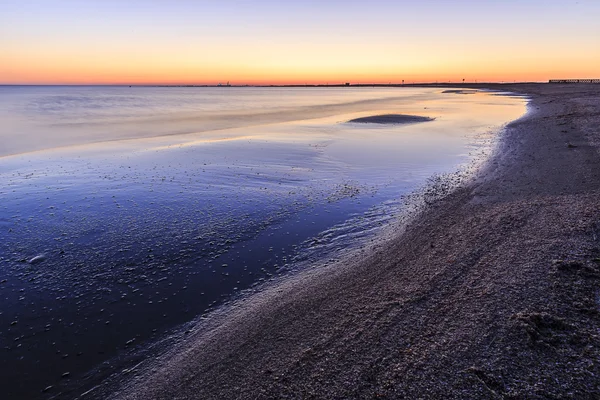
349 84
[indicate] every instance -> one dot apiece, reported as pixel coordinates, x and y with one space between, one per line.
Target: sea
126 212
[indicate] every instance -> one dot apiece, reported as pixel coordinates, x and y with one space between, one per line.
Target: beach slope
492 292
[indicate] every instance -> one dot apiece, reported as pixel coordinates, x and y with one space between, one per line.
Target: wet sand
491 292
108 247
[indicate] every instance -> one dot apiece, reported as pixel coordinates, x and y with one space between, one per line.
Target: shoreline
467 302
137 283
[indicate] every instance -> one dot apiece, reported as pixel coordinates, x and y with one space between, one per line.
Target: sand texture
492 292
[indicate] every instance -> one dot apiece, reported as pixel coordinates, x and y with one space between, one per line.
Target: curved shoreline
468 302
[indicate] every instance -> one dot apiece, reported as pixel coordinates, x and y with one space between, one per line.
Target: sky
296 42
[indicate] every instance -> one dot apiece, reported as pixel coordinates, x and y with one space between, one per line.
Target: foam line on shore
464 302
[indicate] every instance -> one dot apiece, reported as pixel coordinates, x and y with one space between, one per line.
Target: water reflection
106 246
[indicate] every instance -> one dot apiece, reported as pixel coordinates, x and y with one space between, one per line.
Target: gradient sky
267 41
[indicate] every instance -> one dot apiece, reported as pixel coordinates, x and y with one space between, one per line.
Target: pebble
37 259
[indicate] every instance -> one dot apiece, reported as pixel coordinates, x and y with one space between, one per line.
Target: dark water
106 246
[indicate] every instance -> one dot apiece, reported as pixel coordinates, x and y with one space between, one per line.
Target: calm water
126 212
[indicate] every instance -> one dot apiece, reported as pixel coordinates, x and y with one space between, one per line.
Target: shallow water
105 244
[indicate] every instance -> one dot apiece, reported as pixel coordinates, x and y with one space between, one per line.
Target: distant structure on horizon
574 81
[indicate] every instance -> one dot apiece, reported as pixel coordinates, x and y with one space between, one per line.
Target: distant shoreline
481 85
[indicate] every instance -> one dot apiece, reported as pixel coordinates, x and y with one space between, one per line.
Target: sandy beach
490 292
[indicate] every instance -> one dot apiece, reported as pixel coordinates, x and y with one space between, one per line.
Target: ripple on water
104 248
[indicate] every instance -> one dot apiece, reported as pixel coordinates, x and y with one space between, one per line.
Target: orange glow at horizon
302 43
150 74
305 66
